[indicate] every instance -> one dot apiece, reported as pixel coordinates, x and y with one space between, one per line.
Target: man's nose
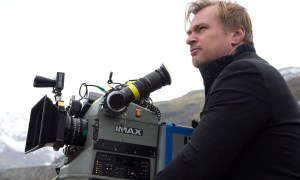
191 39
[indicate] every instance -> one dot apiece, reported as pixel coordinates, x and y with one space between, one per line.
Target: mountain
182 110
14 125
290 72
292 76
13 132
29 173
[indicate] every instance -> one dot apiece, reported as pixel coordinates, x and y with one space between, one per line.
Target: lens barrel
75 131
117 101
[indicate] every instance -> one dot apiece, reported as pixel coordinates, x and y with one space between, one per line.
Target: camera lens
118 100
75 131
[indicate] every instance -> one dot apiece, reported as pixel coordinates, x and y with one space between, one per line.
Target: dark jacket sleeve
236 109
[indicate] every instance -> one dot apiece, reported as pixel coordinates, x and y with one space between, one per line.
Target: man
250 123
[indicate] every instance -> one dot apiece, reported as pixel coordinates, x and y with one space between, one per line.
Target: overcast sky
88 39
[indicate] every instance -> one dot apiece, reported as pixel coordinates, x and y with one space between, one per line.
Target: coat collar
212 70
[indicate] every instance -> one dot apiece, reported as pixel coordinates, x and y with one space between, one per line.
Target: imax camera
116 134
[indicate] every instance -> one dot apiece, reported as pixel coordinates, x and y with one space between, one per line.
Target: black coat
249 128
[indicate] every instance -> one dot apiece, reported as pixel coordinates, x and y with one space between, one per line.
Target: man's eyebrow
195 28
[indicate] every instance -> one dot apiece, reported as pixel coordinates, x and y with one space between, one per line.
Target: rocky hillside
294 84
184 109
28 173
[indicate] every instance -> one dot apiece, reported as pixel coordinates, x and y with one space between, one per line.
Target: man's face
207 37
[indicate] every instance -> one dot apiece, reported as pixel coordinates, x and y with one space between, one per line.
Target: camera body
115 135
117 147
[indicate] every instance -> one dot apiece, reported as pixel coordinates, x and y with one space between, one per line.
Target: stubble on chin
198 62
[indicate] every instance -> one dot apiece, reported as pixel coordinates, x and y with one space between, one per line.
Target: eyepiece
40 81
57 83
117 101
164 75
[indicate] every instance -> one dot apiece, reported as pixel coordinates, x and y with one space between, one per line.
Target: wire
148 105
99 87
86 90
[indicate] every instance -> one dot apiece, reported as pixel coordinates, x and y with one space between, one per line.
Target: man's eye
201 28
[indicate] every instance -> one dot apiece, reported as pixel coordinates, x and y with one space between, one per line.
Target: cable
86 90
146 104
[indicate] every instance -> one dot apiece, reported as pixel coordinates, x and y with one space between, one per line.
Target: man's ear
238 36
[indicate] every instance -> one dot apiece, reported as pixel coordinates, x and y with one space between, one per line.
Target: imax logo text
129 130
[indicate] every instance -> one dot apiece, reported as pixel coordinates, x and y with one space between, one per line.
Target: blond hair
231 14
